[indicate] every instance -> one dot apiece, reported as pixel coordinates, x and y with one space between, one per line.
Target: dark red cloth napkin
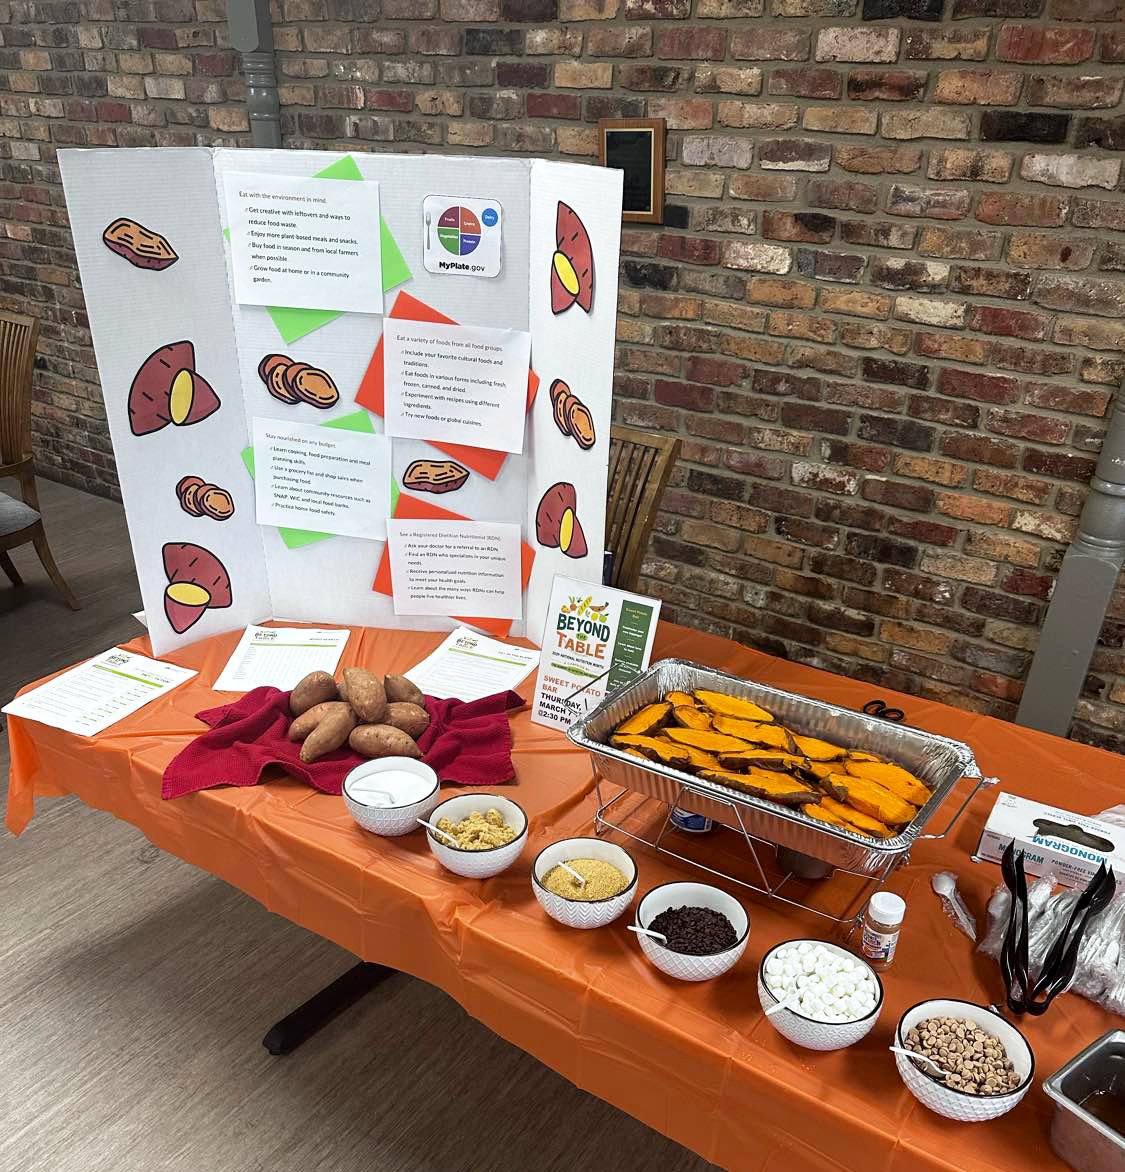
468 743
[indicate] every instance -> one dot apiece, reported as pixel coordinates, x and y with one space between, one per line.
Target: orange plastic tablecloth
697 1062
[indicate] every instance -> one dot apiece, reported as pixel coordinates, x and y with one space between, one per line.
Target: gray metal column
1082 594
251 33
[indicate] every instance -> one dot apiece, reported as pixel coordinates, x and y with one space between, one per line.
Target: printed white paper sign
321 478
304 243
462 235
456 567
594 640
456 384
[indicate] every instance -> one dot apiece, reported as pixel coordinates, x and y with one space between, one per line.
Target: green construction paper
296 538
296 323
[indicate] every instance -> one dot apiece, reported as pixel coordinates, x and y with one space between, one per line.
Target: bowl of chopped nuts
987 1064
489 833
608 883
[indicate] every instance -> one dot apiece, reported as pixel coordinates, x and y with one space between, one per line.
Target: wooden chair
20 519
640 465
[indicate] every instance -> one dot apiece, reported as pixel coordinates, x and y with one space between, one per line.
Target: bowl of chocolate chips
704 930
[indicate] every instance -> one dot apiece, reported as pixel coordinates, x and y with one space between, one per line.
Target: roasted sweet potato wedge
863 823
655 750
872 799
777 787
817 770
760 758
677 699
860 755
698 759
689 716
818 750
709 742
731 706
646 721
774 736
834 783
817 811
893 777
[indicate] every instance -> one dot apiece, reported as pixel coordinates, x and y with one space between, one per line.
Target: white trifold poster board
182 252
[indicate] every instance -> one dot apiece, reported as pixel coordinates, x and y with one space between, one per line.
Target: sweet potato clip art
142 248
197 582
556 522
572 266
572 416
167 389
199 499
297 382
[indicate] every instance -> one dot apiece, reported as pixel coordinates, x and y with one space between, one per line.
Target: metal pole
1082 594
251 33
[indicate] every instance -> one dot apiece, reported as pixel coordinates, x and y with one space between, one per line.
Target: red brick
985 388
1012 323
1034 45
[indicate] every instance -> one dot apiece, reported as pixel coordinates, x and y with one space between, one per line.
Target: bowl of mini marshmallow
819 995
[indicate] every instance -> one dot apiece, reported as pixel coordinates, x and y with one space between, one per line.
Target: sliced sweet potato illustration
269 362
140 246
197 582
646 720
187 490
726 705
312 385
438 476
276 385
216 503
581 424
166 389
556 522
559 392
893 777
572 266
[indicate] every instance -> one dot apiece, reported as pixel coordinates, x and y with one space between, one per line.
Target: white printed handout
321 478
470 665
95 694
594 640
280 657
456 567
303 243
456 384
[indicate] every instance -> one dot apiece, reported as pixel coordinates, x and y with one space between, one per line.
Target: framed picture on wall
636 146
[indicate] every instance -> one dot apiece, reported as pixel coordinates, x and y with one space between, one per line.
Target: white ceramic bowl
949 1101
677 964
583 913
478 864
361 796
807 1031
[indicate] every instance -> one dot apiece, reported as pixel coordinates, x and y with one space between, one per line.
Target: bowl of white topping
832 997
389 795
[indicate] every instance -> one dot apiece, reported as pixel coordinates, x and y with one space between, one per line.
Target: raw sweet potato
731 706
677 699
381 740
330 733
709 742
818 750
762 784
363 690
316 688
688 716
864 823
646 721
400 690
893 777
413 719
872 799
309 719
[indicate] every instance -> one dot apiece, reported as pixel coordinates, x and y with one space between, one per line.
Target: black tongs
1061 959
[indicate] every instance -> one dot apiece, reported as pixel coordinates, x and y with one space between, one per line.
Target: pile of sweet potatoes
376 717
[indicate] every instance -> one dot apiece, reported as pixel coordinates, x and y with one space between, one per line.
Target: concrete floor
134 990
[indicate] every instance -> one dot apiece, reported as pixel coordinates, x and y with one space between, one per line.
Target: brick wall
886 312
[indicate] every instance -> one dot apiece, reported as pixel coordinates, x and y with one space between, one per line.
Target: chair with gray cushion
20 519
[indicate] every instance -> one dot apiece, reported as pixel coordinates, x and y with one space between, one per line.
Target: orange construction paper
697 1062
370 394
409 508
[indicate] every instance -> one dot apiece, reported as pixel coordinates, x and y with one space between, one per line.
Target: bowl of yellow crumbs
489 833
607 885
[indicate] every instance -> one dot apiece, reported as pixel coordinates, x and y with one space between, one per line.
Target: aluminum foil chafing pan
938 761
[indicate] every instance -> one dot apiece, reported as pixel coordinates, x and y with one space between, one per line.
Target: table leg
300 1025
